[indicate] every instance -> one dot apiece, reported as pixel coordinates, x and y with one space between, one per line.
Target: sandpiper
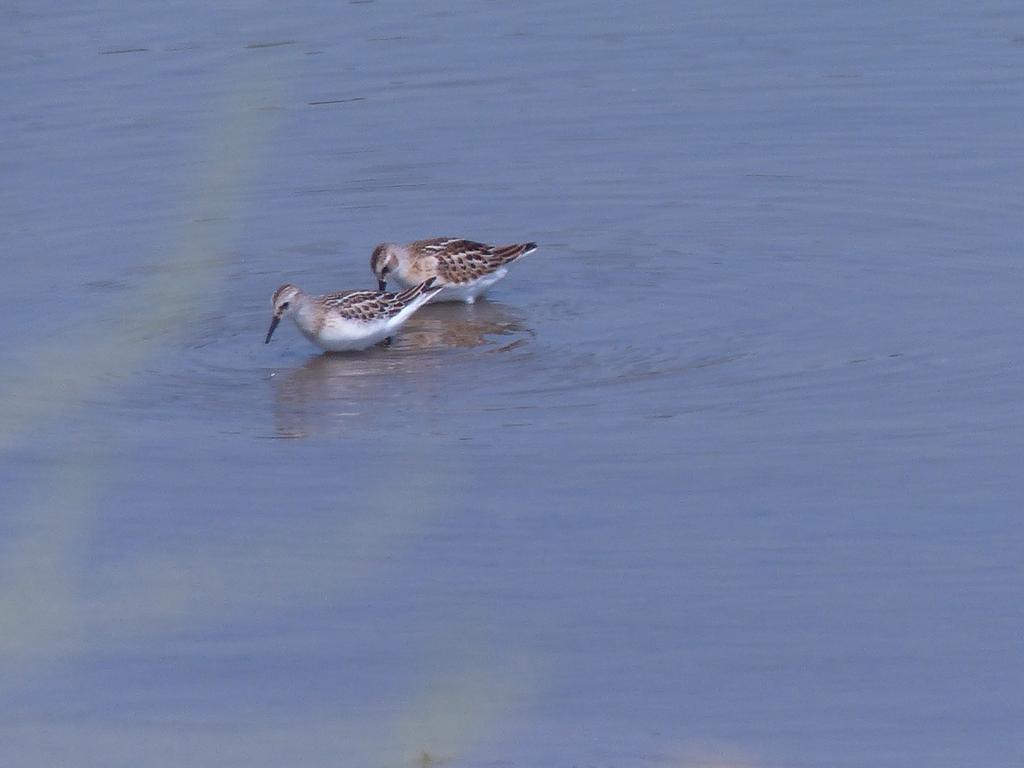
349 320
464 269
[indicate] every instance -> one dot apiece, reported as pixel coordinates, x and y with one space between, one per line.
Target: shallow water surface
726 473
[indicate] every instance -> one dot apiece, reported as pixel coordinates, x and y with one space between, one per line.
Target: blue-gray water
728 473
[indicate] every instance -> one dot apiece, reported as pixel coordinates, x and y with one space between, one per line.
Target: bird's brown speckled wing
368 306
463 261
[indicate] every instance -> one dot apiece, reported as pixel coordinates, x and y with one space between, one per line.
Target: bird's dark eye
285 305
385 270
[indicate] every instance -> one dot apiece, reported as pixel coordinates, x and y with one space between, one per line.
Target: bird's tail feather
427 287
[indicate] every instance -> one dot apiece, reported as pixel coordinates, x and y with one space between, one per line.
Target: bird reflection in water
334 392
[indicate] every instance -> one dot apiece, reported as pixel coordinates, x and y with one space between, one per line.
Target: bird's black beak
382 284
273 324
